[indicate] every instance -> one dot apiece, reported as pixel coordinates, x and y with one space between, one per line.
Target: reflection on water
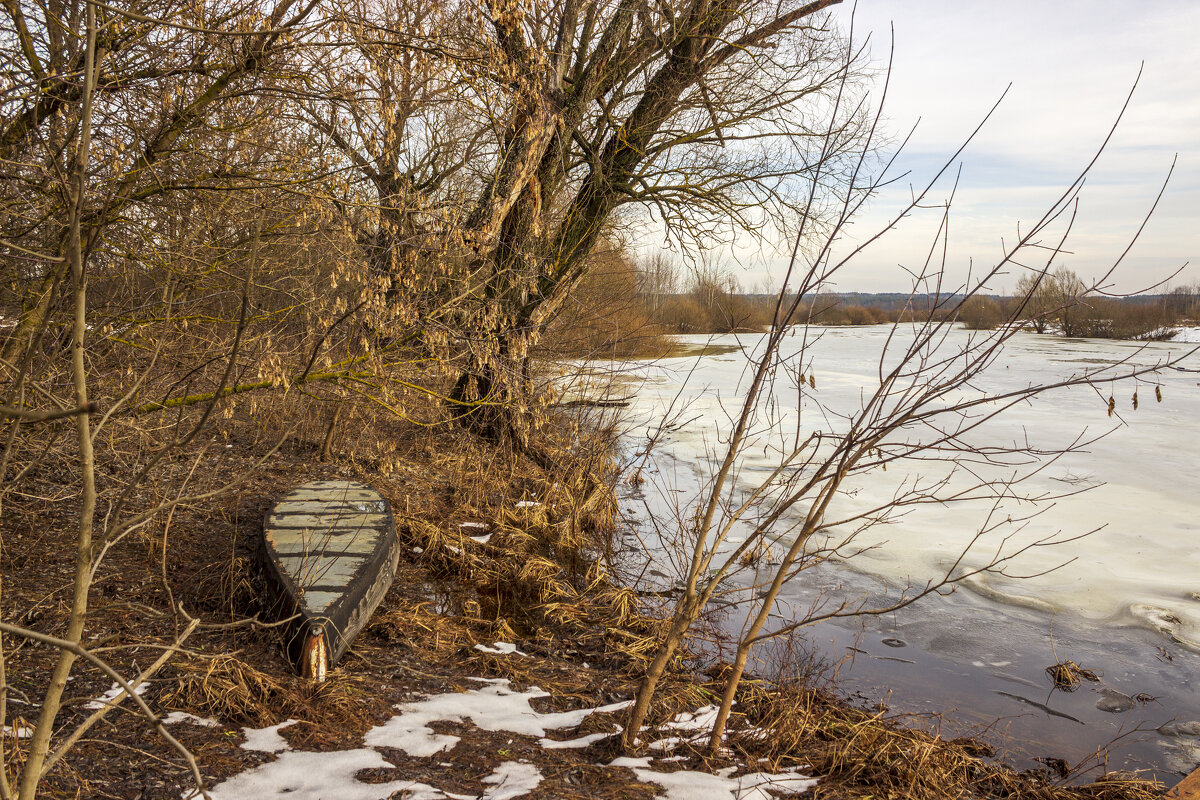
1125 604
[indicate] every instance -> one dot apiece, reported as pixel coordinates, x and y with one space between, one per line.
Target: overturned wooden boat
330 552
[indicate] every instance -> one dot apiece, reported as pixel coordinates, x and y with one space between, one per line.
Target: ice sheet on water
1138 558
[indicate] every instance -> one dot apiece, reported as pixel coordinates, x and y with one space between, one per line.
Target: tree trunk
51 701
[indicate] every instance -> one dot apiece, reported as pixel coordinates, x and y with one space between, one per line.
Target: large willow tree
497 141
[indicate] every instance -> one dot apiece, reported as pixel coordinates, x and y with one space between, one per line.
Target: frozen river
1124 600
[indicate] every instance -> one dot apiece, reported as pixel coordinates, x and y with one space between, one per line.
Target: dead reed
1067 675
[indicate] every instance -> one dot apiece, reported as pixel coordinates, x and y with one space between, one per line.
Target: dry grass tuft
1067 675
855 750
436 636
229 689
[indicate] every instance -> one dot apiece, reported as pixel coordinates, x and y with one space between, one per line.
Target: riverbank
500 641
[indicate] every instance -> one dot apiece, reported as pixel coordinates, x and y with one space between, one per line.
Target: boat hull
330 552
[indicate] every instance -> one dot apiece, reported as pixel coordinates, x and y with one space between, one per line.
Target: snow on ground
298 775
179 717
303 775
483 537
570 744
267 740
512 779
495 707
111 695
501 648
690 785
19 732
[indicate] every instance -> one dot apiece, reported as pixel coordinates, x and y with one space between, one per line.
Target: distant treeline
626 308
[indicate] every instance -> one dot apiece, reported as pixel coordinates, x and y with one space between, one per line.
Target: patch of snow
178 717
108 697
512 779
484 539
1187 334
690 785
479 526
501 649
495 707
267 740
571 744
302 775
694 724
298 775
669 743
20 732
528 504
700 719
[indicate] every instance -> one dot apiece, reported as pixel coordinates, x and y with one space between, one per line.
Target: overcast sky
1070 64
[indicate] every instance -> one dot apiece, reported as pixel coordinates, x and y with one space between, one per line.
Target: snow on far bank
1187 335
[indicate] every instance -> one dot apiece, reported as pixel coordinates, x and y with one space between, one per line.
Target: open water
1122 601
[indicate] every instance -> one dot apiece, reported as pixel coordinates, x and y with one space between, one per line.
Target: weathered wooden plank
324 569
292 505
322 521
347 545
349 495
